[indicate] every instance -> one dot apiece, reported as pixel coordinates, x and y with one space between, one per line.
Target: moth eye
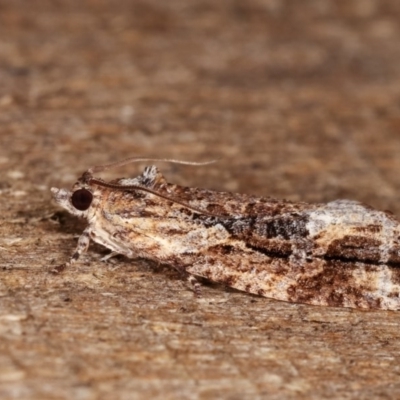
82 199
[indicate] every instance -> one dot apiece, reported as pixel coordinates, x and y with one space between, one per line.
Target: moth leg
194 283
81 247
108 256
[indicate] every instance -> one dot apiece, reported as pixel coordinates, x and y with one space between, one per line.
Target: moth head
78 201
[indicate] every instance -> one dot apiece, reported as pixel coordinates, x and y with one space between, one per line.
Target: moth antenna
105 167
144 189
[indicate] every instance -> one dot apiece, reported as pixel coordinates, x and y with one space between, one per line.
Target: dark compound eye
82 199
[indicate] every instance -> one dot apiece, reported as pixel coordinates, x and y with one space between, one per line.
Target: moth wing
318 282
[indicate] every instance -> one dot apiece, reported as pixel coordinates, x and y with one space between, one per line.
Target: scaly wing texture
318 281
338 254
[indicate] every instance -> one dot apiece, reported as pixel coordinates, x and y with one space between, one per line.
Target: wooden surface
298 99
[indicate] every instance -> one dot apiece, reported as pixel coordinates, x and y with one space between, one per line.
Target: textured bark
299 100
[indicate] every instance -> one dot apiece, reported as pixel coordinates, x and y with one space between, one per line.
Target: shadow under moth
340 254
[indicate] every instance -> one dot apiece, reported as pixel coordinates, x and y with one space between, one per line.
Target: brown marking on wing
270 247
216 209
368 229
286 227
275 237
394 254
333 285
358 248
396 275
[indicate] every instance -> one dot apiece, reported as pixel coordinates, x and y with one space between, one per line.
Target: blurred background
296 99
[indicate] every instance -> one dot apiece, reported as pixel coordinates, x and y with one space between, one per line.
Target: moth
341 254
